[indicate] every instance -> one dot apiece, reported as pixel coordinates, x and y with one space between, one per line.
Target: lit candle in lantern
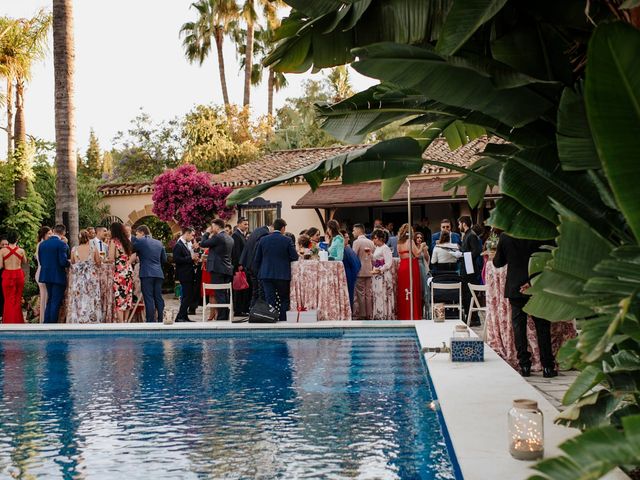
526 430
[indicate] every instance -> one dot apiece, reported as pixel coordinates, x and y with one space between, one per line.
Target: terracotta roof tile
280 162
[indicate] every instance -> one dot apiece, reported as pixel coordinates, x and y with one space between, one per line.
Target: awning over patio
368 194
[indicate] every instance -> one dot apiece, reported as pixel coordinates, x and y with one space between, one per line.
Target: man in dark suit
241 298
152 257
53 255
220 246
185 260
515 253
470 243
273 258
247 258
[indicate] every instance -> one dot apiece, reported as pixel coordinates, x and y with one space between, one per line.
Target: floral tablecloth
500 329
320 286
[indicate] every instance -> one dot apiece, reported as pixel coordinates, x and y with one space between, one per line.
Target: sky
129 56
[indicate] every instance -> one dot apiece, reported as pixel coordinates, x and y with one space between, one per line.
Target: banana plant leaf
612 96
575 142
452 81
464 18
594 453
391 158
586 380
512 217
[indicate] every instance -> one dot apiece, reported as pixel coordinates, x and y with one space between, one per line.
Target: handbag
262 312
240 280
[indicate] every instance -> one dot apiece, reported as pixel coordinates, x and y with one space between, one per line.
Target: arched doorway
159 230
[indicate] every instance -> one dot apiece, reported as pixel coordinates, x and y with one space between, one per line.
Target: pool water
288 405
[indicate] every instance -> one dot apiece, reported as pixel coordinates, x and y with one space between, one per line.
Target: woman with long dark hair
336 242
120 251
43 234
12 259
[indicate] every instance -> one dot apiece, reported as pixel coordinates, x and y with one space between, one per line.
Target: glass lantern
460 331
526 430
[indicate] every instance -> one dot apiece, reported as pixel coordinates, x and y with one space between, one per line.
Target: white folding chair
447 286
475 306
216 286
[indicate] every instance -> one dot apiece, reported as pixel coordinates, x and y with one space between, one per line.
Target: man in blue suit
152 257
273 258
53 255
445 226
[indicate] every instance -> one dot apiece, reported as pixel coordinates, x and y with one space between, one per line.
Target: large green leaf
612 96
594 453
518 221
464 18
575 143
588 378
451 82
388 159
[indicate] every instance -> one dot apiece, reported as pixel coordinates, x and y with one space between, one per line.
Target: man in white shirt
99 243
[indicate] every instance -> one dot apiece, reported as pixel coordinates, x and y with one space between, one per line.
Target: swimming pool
337 403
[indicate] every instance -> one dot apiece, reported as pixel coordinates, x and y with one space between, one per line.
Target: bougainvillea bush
189 197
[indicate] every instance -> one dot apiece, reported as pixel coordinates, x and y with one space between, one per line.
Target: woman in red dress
404 293
12 259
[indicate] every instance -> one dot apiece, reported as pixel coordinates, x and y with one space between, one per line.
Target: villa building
303 208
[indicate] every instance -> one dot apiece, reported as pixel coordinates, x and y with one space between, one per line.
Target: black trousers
222 296
242 298
257 290
543 332
186 301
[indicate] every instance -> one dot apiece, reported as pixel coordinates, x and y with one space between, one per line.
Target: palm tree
263 43
213 20
63 64
249 12
23 42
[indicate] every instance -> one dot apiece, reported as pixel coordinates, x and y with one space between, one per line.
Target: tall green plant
515 70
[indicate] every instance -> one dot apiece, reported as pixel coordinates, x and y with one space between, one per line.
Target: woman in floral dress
83 293
384 300
120 251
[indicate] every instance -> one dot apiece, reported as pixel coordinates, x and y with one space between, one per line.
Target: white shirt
442 253
99 245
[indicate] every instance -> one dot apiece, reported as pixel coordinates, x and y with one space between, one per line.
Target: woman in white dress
43 234
384 299
84 284
445 255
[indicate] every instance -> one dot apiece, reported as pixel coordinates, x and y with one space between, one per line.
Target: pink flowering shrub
188 197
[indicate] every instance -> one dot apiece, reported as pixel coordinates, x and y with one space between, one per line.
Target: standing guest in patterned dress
382 278
43 234
84 285
12 259
120 251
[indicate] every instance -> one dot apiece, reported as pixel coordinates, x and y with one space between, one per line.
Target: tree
188 197
250 12
106 164
340 84
215 141
264 39
296 123
93 156
64 68
213 21
567 170
23 42
146 149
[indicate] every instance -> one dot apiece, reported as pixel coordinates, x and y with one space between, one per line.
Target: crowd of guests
113 272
